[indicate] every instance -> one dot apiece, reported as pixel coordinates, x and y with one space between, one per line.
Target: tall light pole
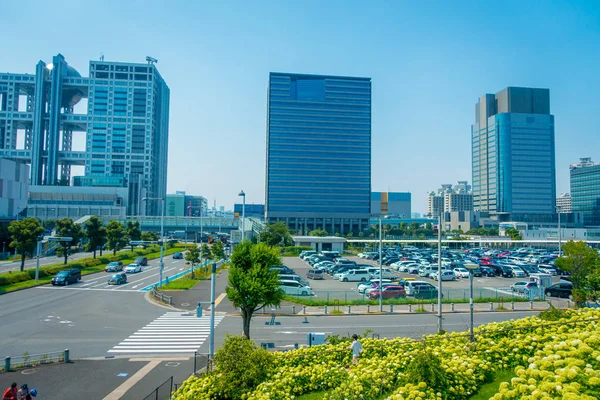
162 228
440 273
39 245
380 269
558 210
241 193
471 268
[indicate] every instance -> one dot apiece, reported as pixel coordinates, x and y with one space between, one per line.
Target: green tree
205 252
95 232
115 233
318 232
49 224
149 237
25 234
583 264
65 227
133 232
217 250
192 257
514 234
276 234
252 285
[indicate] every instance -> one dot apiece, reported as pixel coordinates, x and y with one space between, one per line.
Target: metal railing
162 392
161 297
34 360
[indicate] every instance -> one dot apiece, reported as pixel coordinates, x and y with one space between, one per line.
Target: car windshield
63 273
113 264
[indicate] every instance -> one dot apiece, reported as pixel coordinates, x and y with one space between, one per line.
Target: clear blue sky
429 61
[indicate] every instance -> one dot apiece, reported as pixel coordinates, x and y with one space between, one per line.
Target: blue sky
429 61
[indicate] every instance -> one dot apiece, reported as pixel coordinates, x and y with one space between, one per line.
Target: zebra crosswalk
173 332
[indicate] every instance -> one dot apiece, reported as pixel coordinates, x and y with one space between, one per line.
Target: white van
355 275
296 278
295 288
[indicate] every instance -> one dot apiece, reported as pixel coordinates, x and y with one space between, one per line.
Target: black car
561 289
143 261
66 277
283 270
426 292
178 256
502 270
486 271
118 279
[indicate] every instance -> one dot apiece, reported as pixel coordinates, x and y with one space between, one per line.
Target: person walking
11 392
356 348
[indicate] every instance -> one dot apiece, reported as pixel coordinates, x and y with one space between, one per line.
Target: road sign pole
212 311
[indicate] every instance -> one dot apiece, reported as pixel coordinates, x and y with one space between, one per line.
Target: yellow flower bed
553 361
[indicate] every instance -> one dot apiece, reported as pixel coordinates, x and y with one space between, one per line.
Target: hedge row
12 277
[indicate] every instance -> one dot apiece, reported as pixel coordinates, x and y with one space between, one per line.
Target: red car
389 292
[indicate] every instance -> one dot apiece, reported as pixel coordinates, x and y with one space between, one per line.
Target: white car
407 267
354 275
386 273
547 269
461 272
517 271
369 285
133 268
384 284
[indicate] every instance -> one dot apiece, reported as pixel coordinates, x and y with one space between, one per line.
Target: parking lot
483 287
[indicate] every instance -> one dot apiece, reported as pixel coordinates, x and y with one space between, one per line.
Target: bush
296 250
427 367
552 314
91 263
240 366
16 277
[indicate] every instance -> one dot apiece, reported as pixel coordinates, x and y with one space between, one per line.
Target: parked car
517 271
486 271
389 292
283 270
66 277
425 292
461 272
446 275
427 270
519 286
133 268
118 279
295 288
178 256
502 270
114 266
354 275
141 261
293 277
362 286
561 289
376 286
386 273
411 287
315 274
548 269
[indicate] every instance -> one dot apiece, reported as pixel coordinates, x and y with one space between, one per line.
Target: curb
269 315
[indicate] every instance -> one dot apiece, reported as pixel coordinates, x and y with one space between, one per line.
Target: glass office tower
319 152
513 155
585 191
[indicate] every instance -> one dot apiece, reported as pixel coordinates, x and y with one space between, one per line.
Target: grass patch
319 302
45 278
488 390
187 282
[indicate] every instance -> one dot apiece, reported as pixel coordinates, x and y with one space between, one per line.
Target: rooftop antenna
151 60
101 56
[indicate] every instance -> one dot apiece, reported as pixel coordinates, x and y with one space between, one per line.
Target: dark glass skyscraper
319 152
585 191
513 155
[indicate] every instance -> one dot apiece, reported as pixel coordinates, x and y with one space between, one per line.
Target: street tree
133 232
115 233
192 257
318 232
205 252
252 285
25 234
65 227
149 236
514 234
95 232
217 250
583 264
276 234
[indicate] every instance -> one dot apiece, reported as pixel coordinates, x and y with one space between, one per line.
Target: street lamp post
241 193
380 270
39 245
162 228
558 210
440 273
471 268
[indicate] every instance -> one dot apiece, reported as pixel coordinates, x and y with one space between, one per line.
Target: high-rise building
563 203
585 190
319 152
182 204
513 155
392 204
125 124
450 198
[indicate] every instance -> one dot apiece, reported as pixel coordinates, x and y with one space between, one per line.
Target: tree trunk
114 252
66 255
94 253
246 317
22 261
101 250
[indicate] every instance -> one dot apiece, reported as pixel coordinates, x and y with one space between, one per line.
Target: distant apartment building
585 190
513 155
319 152
392 204
181 204
450 199
125 122
563 203
14 186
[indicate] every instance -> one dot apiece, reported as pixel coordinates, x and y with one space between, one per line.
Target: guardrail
34 360
161 297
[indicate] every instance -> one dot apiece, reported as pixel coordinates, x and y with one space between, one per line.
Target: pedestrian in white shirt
356 348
